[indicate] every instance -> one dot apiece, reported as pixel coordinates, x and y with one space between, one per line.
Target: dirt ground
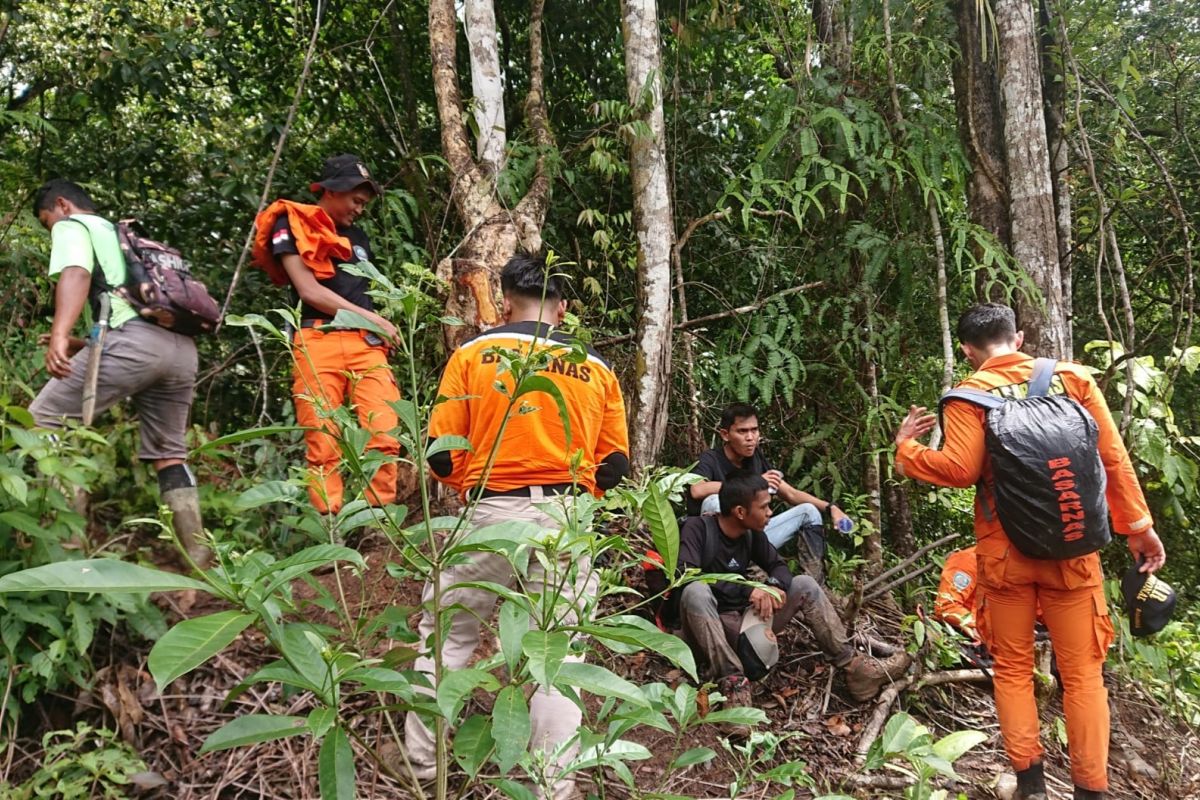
808 708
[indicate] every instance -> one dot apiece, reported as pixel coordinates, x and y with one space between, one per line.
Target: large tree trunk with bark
981 127
655 230
1054 90
1030 188
493 231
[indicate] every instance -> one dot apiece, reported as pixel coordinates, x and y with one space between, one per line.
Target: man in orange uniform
532 468
1012 585
308 248
955 601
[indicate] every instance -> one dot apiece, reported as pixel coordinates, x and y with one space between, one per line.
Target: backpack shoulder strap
709 549
1043 374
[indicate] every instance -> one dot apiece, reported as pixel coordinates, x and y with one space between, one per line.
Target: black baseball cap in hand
1149 601
344 173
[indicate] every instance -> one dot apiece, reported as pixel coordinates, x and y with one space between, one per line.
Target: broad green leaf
900 733
455 686
320 720
634 630
24 523
513 790
472 743
309 559
697 755
599 681
352 319
737 716
545 651
267 492
540 383
246 436
514 622
305 656
664 528
192 642
83 628
101 575
252 729
953 746
445 444
379 679
335 767
510 726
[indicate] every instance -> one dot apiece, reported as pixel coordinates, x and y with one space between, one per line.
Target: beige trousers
554 719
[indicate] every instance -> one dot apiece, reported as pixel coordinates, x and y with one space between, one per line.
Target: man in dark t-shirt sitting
733 625
740 449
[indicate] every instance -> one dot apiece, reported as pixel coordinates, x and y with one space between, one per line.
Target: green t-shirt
71 245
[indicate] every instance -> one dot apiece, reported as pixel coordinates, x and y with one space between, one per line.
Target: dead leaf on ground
837 725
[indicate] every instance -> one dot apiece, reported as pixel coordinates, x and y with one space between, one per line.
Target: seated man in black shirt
733 625
740 450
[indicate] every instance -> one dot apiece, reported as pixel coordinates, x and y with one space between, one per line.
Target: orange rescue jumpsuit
1012 586
955 601
332 366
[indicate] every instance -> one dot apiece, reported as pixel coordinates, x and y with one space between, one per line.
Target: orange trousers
331 367
1071 596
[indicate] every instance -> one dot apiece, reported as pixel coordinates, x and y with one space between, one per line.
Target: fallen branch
906 562
699 321
903 579
888 696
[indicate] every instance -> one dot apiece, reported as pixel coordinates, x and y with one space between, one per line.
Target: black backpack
1048 480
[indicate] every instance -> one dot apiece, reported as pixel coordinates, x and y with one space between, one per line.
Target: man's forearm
70 294
704 489
794 497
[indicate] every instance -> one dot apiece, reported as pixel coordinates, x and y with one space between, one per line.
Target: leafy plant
81 764
906 746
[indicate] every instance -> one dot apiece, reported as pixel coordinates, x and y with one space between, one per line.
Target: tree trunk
1030 189
486 84
897 510
493 232
980 125
1054 89
832 21
655 230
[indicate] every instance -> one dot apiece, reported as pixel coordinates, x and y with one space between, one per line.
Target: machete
95 349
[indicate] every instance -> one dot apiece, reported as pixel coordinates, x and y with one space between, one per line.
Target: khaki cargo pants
554 718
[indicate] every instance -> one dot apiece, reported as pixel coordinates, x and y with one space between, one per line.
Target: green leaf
352 319
545 651
697 755
664 528
456 685
192 642
252 729
634 630
600 681
320 720
335 767
246 436
472 743
267 492
309 559
952 747
510 726
445 444
103 575
514 622
737 716
540 383
901 733
379 679
83 628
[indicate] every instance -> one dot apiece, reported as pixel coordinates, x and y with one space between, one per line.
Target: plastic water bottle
845 524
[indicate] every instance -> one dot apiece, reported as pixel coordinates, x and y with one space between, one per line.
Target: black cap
1149 601
344 173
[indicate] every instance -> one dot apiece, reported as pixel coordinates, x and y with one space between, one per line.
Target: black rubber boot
1031 783
1088 794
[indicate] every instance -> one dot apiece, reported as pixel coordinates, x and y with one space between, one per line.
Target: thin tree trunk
655 230
939 248
1054 87
832 21
980 125
493 232
899 513
486 84
1030 190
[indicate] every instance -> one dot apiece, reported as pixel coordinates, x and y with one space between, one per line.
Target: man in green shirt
150 364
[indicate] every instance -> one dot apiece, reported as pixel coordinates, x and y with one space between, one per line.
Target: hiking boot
184 503
865 676
1031 783
1088 794
736 689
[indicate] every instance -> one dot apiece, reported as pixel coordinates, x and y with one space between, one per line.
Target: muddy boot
1031 783
810 551
865 676
736 689
189 528
1088 794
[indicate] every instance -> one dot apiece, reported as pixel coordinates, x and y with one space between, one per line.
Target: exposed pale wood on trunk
655 231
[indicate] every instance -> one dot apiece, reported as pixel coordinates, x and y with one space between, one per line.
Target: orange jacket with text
316 238
533 449
962 461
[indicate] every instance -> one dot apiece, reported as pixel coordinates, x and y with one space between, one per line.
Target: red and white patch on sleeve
281 235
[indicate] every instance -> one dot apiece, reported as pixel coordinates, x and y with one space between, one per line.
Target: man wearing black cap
308 248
